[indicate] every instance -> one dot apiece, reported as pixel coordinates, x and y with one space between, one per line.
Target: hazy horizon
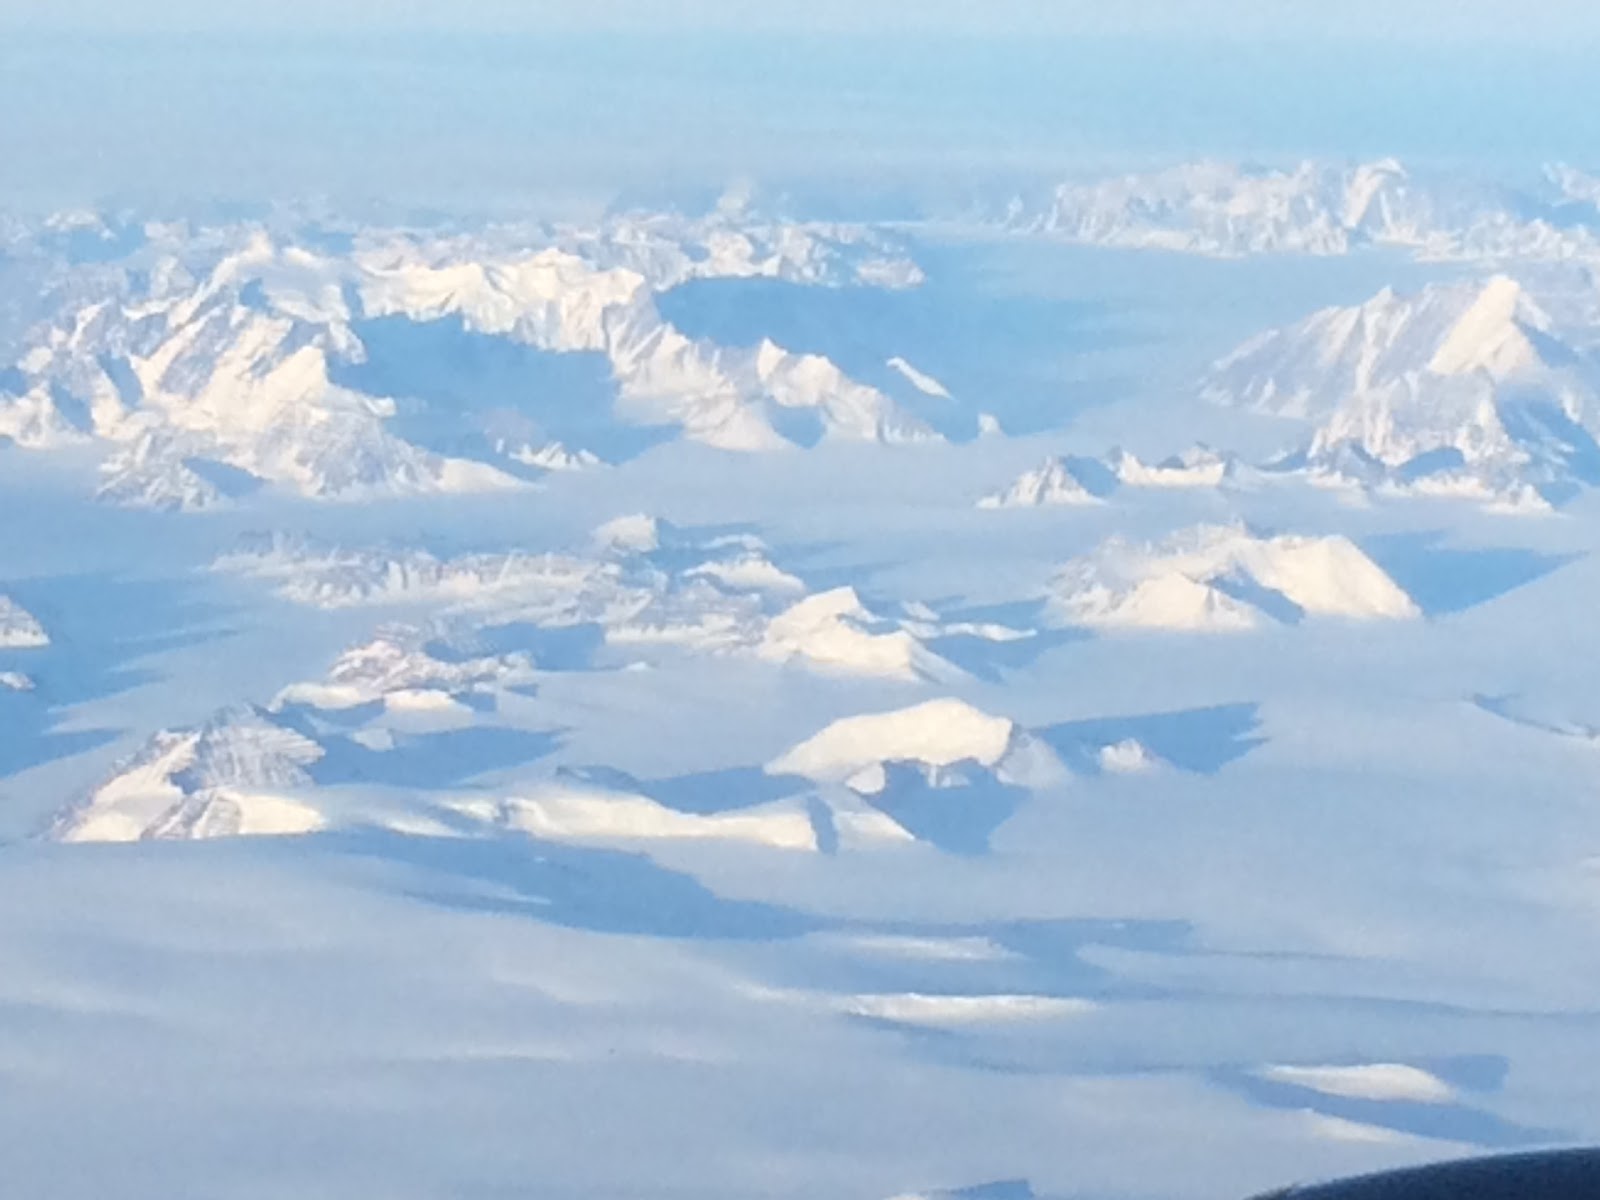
486 120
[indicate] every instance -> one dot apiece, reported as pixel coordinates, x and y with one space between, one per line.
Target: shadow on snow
1201 740
1455 1121
1444 581
987 354
458 391
101 628
603 891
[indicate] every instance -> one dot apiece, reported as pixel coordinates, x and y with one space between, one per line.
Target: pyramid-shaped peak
1500 291
1491 334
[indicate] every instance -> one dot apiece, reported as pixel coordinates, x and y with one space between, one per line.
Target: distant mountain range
201 363
1228 210
212 361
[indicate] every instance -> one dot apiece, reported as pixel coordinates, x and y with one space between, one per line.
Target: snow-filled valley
1094 703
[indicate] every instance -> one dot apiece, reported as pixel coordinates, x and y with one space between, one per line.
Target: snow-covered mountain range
799 778
307 762
1482 389
645 585
209 361
205 361
1228 210
255 769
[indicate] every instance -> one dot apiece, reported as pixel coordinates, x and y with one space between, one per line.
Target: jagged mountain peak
1484 389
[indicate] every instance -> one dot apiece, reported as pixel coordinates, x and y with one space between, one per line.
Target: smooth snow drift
570 813
959 1011
1373 1081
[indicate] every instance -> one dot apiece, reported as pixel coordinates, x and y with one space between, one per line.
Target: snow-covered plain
477 699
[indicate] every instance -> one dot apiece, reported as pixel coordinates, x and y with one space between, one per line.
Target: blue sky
1552 22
